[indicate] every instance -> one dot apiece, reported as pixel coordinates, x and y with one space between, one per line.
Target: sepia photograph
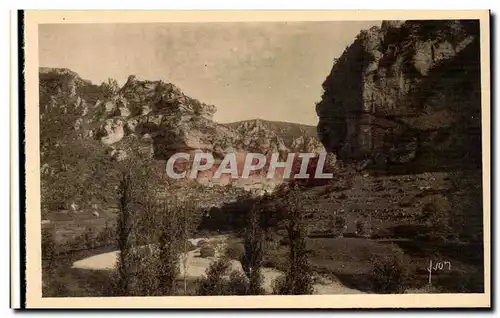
321 158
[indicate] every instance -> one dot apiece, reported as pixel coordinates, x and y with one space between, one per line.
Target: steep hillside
142 124
406 93
158 118
405 99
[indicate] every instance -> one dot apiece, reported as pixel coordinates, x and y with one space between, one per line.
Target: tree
109 88
253 257
298 278
123 233
214 283
169 246
188 224
339 225
238 284
363 228
389 273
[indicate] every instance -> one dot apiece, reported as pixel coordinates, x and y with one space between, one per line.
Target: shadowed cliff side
406 94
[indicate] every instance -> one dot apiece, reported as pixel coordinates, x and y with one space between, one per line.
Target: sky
266 70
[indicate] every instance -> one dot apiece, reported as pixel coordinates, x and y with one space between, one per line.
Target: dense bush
109 88
363 228
278 285
219 280
390 273
437 215
238 284
214 283
339 225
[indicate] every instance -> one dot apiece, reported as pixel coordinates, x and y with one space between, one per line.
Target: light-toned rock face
112 131
403 91
145 110
270 137
123 112
156 119
109 107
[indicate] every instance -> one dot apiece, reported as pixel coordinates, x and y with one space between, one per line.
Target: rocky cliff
271 136
406 93
153 119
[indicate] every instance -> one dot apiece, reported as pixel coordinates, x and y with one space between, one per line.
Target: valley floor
392 205
197 266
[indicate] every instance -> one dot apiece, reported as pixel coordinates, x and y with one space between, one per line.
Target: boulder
111 131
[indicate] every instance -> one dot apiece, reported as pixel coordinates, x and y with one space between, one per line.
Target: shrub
106 236
272 259
148 276
207 252
390 273
363 228
88 238
213 283
238 284
235 251
437 215
109 88
278 285
339 225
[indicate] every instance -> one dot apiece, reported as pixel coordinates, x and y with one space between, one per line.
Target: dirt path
197 266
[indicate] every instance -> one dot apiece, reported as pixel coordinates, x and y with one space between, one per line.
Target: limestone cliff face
406 93
277 137
153 120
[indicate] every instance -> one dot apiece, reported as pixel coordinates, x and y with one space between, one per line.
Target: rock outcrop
271 136
406 93
155 119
